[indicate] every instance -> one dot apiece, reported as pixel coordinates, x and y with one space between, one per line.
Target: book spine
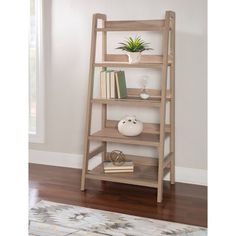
117 84
128 165
122 84
112 80
108 83
103 84
118 171
119 168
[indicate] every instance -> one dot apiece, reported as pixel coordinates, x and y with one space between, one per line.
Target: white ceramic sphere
129 126
144 95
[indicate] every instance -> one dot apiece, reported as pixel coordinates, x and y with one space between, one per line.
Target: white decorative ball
129 126
144 95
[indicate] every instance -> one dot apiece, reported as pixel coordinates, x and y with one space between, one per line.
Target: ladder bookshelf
148 171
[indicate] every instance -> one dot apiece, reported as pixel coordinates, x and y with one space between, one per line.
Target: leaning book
121 84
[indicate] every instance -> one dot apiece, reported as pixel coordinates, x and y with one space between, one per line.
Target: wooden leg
90 96
172 103
172 169
104 153
104 119
165 47
86 146
85 165
160 192
172 143
172 123
160 175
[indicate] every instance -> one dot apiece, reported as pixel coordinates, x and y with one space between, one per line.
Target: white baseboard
60 159
189 176
183 174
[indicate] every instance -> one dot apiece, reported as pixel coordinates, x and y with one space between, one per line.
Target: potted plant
134 47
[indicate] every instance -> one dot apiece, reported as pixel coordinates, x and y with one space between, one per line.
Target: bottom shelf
143 175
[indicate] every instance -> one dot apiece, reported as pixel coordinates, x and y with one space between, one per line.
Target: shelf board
143 175
141 28
113 135
129 101
126 64
138 25
151 128
121 60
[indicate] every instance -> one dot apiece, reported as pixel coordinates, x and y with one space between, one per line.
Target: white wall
67 48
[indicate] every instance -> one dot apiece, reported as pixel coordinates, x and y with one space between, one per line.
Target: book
121 84
103 84
112 84
131 168
108 84
127 165
118 171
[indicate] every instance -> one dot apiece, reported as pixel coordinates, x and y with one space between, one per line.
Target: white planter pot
129 126
134 57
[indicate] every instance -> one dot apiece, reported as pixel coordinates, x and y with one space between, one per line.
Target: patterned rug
55 219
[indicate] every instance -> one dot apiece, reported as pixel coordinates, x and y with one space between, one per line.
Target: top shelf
139 25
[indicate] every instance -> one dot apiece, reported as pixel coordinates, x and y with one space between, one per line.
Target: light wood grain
167 160
99 16
149 128
148 171
139 160
172 102
144 160
129 101
104 106
96 151
121 60
89 104
154 93
104 119
152 59
113 135
165 47
140 25
143 175
127 65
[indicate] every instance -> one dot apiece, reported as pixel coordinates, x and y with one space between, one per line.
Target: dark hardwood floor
182 203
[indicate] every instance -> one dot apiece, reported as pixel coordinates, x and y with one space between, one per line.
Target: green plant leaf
134 45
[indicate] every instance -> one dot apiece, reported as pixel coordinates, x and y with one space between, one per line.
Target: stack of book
109 167
112 84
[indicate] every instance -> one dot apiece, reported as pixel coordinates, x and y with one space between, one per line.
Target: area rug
55 219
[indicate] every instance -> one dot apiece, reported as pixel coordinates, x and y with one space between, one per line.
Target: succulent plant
134 45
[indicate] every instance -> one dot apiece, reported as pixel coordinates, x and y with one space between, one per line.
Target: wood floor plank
182 203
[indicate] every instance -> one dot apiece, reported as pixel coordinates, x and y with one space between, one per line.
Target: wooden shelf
123 64
143 175
150 128
133 98
121 60
126 29
138 25
145 168
129 101
113 135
